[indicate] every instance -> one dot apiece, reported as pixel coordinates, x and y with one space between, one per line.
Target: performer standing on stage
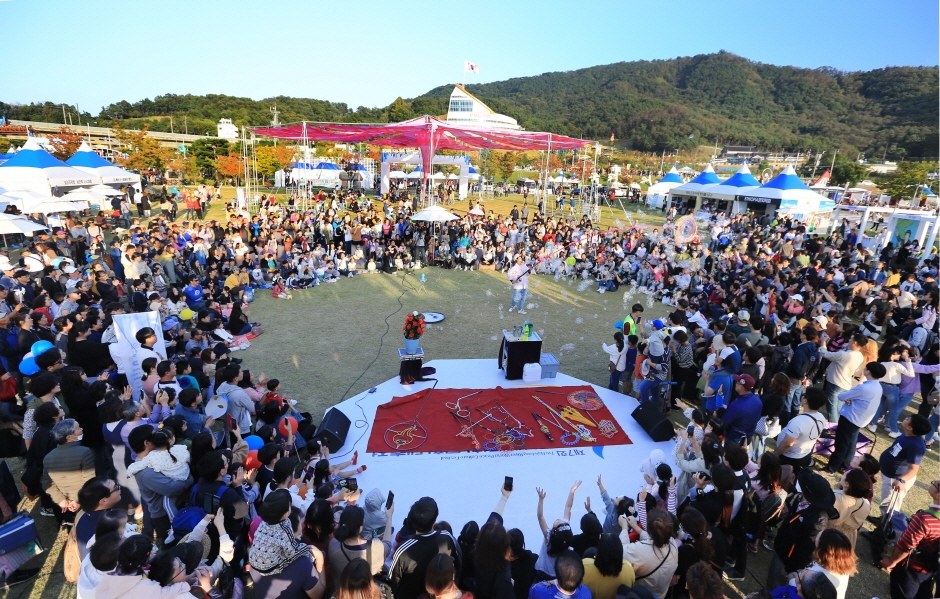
518 275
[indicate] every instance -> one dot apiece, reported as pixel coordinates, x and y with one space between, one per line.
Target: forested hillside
649 105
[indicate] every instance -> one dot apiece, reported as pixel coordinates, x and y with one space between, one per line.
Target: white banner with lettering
126 349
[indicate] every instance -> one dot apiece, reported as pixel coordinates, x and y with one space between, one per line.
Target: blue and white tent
36 169
706 177
656 194
88 161
740 183
794 195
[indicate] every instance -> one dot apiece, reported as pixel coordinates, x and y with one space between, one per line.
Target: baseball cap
746 380
822 320
744 315
68 270
658 324
796 297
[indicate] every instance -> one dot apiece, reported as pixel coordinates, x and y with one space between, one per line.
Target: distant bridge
98 137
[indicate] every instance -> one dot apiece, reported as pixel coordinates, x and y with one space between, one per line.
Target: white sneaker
872 427
522 312
511 308
602 290
894 435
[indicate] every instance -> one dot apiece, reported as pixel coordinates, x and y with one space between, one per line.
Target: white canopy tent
656 194
12 224
88 161
36 169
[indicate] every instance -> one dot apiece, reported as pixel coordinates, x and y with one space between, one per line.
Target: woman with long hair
655 556
771 492
91 356
835 557
84 408
356 582
350 543
696 546
853 502
238 320
607 570
772 401
491 555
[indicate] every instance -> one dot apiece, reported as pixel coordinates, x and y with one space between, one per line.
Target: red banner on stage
499 419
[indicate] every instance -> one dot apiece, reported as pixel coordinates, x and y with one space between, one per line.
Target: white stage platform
466 485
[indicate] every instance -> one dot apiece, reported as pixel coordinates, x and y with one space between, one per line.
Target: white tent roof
11 224
87 161
397 175
37 169
434 214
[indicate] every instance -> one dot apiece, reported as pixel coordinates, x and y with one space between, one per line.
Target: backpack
187 518
747 521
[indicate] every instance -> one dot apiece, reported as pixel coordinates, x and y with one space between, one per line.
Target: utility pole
64 122
186 124
275 112
171 124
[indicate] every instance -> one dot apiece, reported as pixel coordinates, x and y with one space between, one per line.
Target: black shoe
827 470
874 520
235 360
19 577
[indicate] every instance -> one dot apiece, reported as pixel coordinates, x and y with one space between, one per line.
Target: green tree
903 182
847 170
505 163
204 152
399 111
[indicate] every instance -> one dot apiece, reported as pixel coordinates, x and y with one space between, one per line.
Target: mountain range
707 99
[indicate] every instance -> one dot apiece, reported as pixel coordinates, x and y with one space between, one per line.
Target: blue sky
93 52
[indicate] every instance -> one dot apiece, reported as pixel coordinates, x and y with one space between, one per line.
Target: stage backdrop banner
507 409
125 351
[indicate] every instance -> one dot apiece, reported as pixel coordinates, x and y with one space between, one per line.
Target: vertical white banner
125 351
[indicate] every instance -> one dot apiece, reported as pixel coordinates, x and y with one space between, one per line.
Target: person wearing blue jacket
740 419
804 361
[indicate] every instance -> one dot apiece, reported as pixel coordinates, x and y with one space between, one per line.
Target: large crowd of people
782 345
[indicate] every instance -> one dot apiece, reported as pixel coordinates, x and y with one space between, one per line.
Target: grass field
337 340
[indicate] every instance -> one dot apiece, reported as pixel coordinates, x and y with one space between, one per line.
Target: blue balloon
618 325
254 442
40 347
29 368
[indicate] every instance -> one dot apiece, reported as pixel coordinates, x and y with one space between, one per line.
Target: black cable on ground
363 423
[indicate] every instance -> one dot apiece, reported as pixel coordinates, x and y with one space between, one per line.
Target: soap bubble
618 223
489 293
557 276
582 338
501 316
530 306
564 293
584 285
541 332
500 307
457 311
578 320
605 301
493 338
567 347
595 316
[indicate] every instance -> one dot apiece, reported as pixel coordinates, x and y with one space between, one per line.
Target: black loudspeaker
333 430
657 426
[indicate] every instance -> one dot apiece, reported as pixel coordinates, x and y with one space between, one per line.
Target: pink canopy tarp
425 133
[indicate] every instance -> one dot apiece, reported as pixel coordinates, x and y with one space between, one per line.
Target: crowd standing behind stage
764 313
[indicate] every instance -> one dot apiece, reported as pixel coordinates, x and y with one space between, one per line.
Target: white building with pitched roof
465 109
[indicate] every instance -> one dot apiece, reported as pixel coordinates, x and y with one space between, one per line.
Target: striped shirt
923 534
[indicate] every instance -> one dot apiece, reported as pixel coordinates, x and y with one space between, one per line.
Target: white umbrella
452 177
25 195
11 224
50 206
434 214
397 175
84 195
476 212
105 190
